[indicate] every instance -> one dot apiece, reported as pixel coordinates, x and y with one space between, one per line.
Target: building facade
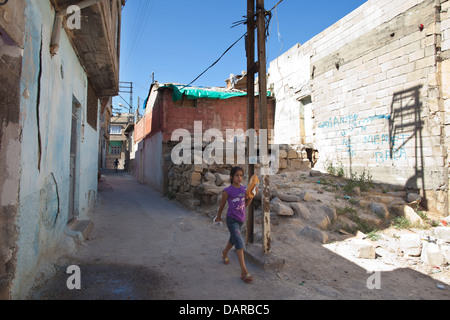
118 146
371 93
168 109
53 75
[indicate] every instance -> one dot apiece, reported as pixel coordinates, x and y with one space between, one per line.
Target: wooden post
263 145
250 48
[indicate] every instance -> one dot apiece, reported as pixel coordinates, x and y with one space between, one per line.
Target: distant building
118 146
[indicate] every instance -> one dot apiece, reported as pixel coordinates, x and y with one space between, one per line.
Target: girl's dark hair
233 172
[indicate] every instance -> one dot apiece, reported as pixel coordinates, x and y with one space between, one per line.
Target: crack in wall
38 103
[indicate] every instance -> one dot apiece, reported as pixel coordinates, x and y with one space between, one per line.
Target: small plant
401 223
364 182
171 196
335 171
346 209
433 223
422 214
363 225
373 236
331 170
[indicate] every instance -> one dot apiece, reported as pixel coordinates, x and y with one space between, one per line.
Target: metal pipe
58 23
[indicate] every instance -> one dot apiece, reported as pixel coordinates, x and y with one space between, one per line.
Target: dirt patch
106 282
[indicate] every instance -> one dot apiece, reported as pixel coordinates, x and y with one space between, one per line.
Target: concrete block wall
377 91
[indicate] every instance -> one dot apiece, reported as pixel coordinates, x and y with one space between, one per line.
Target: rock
411 197
287 197
305 196
198 168
315 235
283 154
379 209
280 208
432 254
407 212
446 253
411 244
300 210
299 164
283 164
221 178
320 220
362 249
210 177
292 154
195 176
329 212
442 233
209 187
315 173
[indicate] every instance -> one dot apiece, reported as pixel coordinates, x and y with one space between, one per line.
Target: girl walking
237 202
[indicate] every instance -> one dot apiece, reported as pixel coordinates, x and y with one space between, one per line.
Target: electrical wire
140 24
229 48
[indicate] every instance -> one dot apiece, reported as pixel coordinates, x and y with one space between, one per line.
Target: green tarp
196 93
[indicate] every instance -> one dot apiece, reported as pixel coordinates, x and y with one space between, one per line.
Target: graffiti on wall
352 129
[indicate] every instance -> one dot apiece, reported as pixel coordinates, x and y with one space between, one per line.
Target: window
115 130
116 150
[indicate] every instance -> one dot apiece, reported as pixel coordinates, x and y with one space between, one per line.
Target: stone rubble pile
201 186
196 185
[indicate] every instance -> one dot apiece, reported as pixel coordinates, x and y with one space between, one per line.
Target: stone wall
197 185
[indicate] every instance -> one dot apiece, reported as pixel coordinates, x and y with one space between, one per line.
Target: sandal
226 260
247 278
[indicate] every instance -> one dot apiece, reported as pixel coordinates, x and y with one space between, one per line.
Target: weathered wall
375 95
443 27
12 21
48 87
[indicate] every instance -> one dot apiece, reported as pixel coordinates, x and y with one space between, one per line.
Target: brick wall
166 117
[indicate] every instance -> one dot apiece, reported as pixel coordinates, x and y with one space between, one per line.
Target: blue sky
179 39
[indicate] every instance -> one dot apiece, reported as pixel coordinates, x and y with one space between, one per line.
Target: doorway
76 107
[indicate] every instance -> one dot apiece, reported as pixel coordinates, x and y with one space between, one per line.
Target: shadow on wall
405 125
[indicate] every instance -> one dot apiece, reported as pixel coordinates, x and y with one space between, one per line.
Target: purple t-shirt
236 202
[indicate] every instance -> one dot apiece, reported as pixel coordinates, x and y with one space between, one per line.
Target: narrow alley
146 247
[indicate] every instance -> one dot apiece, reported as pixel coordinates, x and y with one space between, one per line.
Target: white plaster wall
289 79
41 227
153 166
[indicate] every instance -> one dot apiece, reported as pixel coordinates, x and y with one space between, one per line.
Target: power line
229 48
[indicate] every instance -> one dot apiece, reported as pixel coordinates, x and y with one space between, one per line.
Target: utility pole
251 70
127 87
264 125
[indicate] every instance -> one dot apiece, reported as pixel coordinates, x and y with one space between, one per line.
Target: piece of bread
251 188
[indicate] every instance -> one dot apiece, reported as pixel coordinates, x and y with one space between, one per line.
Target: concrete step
83 226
